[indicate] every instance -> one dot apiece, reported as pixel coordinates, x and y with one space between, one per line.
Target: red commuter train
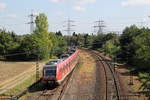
56 70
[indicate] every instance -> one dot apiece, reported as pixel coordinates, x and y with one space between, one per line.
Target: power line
31 22
69 26
100 25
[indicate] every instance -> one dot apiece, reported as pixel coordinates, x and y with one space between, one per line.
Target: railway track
46 94
112 87
58 92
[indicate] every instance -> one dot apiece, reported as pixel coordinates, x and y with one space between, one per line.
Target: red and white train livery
56 70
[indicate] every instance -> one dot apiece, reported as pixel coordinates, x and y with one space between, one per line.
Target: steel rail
101 59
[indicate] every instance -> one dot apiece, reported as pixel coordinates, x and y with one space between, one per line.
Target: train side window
65 66
62 70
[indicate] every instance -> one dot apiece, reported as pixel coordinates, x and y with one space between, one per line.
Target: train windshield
50 72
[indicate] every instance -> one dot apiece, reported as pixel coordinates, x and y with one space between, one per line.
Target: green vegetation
142 43
40 44
127 50
145 79
132 47
9 42
21 86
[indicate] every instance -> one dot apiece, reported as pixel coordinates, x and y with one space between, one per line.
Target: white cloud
56 1
136 3
2 6
75 1
78 8
12 15
85 1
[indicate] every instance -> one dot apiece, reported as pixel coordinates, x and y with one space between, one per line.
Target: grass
25 84
22 86
88 66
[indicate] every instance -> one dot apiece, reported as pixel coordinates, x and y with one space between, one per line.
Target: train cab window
49 73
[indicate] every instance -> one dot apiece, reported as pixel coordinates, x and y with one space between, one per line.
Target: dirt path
16 79
86 84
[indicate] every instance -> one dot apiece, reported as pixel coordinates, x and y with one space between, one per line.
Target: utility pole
100 25
32 22
69 29
37 66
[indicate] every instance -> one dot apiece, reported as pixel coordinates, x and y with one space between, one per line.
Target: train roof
64 56
70 52
53 62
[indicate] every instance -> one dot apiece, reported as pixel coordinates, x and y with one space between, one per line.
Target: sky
116 14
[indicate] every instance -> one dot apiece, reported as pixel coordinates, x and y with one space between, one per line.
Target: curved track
111 89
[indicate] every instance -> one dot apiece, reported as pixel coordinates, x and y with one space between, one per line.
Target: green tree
86 40
8 43
30 45
98 41
42 33
59 33
38 43
55 42
80 39
142 43
62 45
127 46
111 48
145 79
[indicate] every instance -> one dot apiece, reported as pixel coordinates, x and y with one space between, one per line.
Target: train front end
49 72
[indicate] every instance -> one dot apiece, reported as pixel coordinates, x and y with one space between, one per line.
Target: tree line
40 44
131 47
